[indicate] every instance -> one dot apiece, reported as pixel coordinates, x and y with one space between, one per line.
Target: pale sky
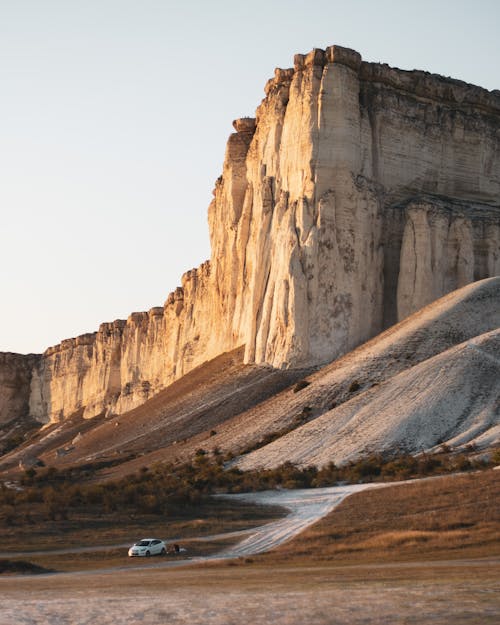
114 116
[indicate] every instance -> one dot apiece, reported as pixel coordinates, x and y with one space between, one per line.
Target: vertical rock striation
16 373
370 192
358 194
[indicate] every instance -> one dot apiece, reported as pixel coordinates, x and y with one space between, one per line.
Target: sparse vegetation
167 490
495 457
12 442
56 508
452 516
301 384
268 438
20 567
354 386
302 417
14 434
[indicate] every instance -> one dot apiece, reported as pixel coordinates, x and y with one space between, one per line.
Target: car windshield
142 543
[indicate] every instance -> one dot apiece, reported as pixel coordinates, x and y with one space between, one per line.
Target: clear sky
113 120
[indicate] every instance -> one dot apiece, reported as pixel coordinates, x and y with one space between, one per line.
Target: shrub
495 456
365 469
9 515
29 476
170 489
355 386
13 442
301 384
462 463
56 504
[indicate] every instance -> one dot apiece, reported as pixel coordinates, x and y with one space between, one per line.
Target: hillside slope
431 379
452 399
189 409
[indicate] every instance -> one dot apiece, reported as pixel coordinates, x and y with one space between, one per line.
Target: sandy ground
239 595
356 603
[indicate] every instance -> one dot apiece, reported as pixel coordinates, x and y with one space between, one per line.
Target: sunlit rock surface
358 194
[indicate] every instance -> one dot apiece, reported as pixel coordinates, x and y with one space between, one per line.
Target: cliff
16 373
358 194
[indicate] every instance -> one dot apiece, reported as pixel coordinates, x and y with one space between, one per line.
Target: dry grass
86 530
398 521
117 557
463 594
446 517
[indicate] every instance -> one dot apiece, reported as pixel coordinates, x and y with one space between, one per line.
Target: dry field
87 530
462 593
438 518
412 554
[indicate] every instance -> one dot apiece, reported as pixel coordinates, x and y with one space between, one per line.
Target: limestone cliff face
126 362
445 245
358 194
370 192
16 373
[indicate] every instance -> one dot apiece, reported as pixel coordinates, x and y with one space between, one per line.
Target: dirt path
306 507
98 548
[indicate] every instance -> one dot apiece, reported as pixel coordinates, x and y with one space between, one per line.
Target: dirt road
306 507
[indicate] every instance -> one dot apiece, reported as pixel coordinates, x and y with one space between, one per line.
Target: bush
365 469
401 467
173 490
56 504
355 386
301 384
13 442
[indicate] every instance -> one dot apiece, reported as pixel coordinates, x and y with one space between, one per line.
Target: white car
148 547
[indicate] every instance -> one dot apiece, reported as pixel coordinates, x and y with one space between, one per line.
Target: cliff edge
358 194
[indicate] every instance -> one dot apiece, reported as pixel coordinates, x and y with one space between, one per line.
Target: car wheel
163 552
148 553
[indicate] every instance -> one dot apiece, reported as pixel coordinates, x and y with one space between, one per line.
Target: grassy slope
435 519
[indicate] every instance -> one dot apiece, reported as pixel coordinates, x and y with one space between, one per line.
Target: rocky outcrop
358 194
126 362
16 373
445 245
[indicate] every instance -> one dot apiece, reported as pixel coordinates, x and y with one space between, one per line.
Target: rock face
370 192
16 373
358 194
